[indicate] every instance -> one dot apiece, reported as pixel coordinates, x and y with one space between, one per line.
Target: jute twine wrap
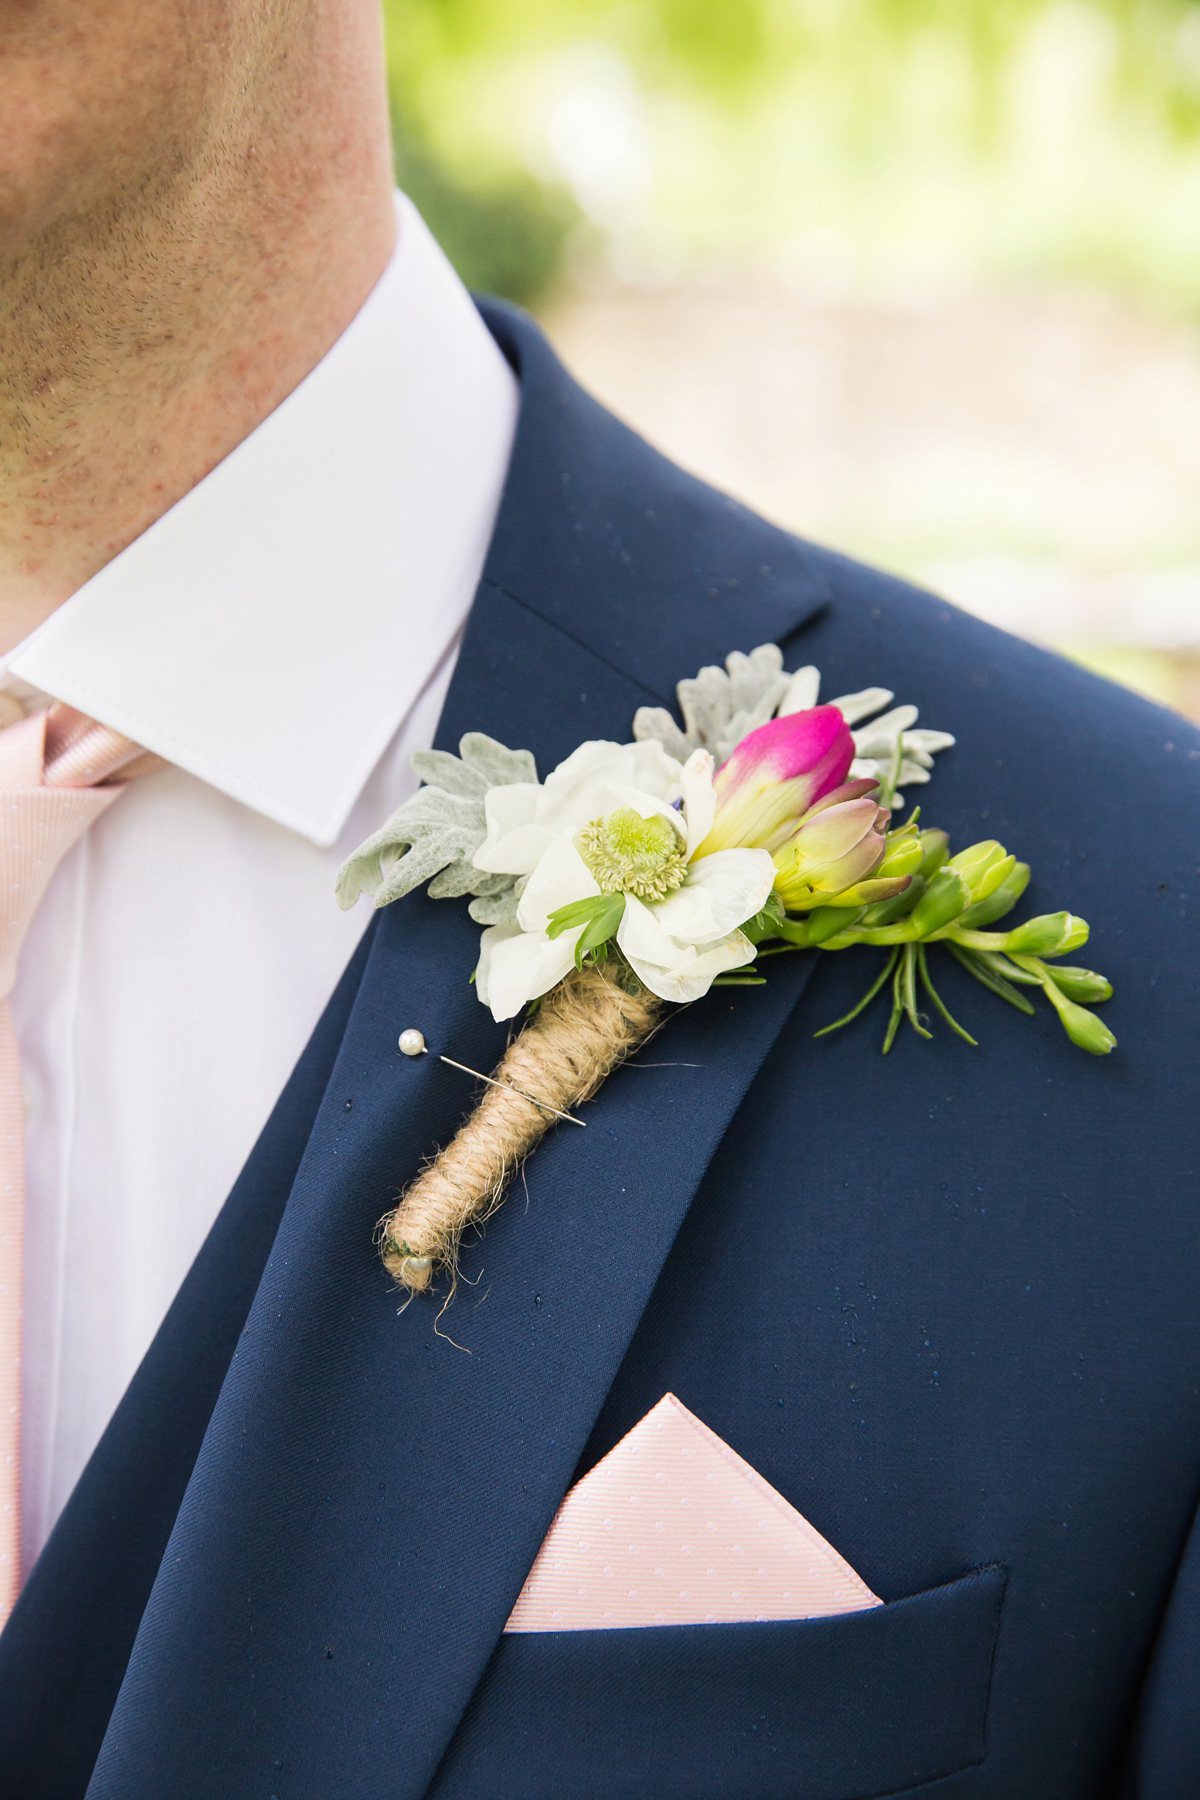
581 1031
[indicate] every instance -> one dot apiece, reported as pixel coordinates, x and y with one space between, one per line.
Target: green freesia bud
1076 937
1001 901
902 853
886 912
941 903
1084 1028
983 866
1082 984
826 921
1051 934
866 893
935 848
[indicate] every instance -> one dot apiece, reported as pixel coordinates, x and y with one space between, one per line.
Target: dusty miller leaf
434 836
720 707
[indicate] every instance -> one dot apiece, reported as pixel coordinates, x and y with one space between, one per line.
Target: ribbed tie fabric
50 766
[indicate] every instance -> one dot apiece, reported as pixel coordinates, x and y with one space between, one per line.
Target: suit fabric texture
945 1302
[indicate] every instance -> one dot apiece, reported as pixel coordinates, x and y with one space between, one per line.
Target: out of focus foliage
504 236
852 144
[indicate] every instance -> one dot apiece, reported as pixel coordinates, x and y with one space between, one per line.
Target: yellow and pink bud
775 776
837 850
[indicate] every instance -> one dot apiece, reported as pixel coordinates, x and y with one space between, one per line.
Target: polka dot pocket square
674 1528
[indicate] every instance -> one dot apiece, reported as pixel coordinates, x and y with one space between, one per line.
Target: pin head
412 1042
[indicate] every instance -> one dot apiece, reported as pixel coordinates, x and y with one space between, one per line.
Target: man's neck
138 346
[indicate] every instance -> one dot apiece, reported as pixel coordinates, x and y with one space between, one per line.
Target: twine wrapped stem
585 1027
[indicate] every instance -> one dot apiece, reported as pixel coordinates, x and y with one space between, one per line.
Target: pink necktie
50 766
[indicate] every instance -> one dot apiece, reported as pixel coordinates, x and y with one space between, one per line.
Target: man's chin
45 182
49 199
86 151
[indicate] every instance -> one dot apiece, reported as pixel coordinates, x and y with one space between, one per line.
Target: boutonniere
637 876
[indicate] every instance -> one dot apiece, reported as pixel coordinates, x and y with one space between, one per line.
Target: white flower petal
515 854
495 934
720 893
592 759
516 966
560 877
580 788
699 797
647 806
509 807
640 936
650 768
802 692
513 842
693 972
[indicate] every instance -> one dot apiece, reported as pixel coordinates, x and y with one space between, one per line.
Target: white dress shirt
284 637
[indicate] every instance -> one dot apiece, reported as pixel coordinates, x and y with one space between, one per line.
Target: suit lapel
370 1494
64 1651
605 547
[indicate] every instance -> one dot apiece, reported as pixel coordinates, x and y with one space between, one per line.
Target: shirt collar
271 631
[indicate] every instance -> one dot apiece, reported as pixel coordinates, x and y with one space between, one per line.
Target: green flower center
631 855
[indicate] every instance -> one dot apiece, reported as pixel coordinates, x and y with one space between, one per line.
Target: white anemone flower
627 819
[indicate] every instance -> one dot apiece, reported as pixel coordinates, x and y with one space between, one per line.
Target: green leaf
599 914
982 967
908 967
765 924
897 1007
579 912
602 928
927 984
866 1000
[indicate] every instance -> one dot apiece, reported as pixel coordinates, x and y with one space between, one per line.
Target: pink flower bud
775 775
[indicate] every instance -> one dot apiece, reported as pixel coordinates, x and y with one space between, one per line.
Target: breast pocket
865 1704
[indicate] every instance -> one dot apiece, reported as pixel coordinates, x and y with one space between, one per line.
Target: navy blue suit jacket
947 1303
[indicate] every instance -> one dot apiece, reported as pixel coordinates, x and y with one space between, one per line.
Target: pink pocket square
673 1528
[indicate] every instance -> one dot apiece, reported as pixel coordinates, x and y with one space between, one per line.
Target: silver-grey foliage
720 706
434 836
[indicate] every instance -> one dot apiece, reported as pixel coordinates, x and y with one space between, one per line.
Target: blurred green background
919 277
